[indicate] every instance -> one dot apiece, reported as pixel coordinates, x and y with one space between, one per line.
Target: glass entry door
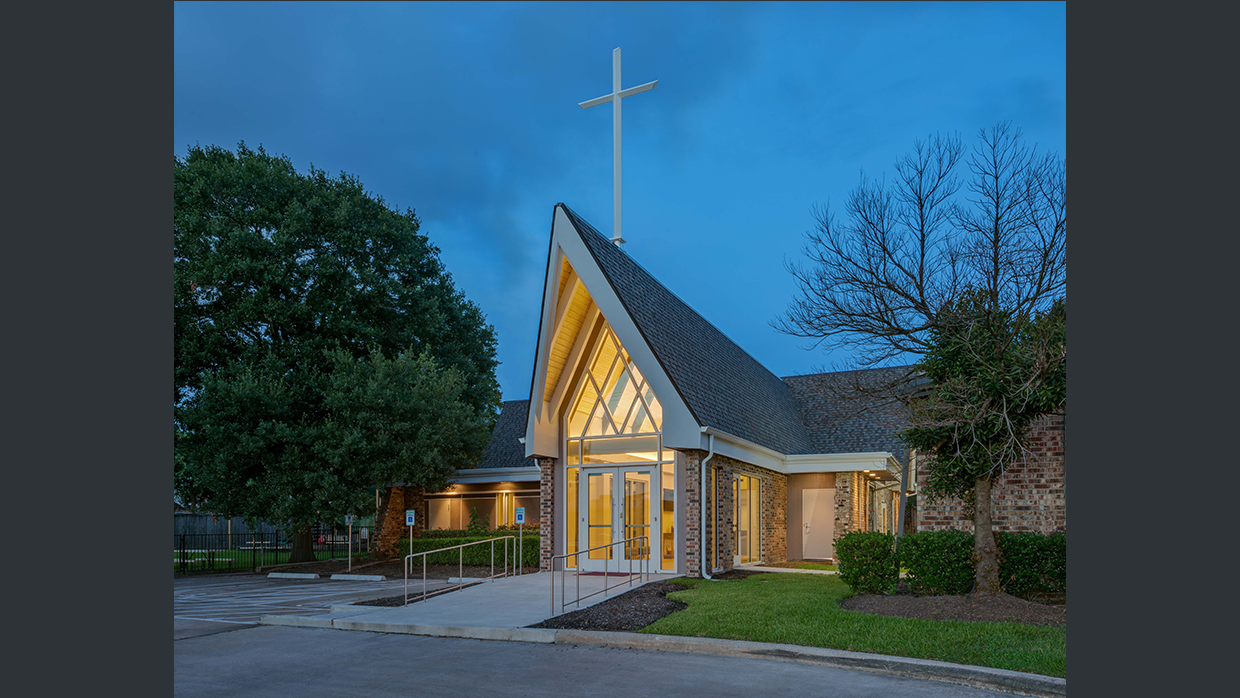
615 504
746 516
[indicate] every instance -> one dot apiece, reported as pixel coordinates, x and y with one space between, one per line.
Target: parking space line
218 620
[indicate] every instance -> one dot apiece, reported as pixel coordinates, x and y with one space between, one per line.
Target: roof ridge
721 384
573 214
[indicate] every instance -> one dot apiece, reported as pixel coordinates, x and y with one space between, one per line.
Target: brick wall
1030 496
393 527
773 506
846 501
693 513
773 502
546 512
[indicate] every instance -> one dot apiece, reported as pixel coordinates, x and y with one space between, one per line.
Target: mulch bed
1002 608
630 611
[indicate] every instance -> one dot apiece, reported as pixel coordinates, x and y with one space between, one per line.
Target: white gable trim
542 437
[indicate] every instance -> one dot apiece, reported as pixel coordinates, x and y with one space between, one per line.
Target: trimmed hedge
867 561
473 555
941 562
530 529
1031 562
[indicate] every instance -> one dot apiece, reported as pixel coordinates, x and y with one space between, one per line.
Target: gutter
702 506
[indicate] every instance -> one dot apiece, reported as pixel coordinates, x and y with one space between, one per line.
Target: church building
646 424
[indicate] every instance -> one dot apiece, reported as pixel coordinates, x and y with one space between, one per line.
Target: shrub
938 562
1021 561
529 529
445 533
941 562
867 561
1032 562
478 525
1056 573
473 555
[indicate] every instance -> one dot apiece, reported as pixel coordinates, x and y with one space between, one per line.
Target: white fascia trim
521 474
742 449
842 462
542 435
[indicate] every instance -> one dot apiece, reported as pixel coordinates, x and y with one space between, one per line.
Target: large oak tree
321 347
967 279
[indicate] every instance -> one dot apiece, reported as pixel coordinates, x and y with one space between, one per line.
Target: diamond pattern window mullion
632 407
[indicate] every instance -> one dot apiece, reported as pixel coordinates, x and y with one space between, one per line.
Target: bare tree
930 265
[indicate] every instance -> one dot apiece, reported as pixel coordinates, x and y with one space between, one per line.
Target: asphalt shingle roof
838 424
723 386
505 449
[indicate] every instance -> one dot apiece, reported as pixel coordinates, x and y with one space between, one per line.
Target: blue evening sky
468 114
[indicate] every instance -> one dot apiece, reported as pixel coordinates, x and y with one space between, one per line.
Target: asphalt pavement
287 661
206 604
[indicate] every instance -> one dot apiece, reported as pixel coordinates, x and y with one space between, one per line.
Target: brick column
843 503
693 513
546 511
727 503
775 518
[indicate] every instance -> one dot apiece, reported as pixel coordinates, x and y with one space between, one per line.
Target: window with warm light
615 459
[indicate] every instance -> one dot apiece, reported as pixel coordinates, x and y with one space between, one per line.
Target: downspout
702 547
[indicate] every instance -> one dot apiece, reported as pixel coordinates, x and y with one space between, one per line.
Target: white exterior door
817 523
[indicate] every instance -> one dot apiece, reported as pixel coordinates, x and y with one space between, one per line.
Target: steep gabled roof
722 385
505 449
839 424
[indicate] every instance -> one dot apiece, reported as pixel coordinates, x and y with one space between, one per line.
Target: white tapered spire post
616 95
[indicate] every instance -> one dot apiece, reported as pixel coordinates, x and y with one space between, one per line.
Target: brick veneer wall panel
693 513
773 507
845 488
1031 495
546 512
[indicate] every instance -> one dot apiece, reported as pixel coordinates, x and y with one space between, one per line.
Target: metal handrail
643 570
461 565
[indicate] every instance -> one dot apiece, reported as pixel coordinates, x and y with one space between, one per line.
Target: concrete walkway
508 603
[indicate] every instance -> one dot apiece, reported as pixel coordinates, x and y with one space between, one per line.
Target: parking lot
207 604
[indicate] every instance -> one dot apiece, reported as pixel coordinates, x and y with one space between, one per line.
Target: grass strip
813 566
802 609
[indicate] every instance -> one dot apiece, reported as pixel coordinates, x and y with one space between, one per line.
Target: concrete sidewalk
507 603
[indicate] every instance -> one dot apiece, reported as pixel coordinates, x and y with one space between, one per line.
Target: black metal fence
224 552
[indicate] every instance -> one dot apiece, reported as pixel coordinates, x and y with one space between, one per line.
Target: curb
359 577
292 575
945 672
928 669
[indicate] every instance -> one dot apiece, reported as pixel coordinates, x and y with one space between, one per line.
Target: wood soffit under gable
572 307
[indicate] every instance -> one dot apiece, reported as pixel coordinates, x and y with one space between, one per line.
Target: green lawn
814 566
802 609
